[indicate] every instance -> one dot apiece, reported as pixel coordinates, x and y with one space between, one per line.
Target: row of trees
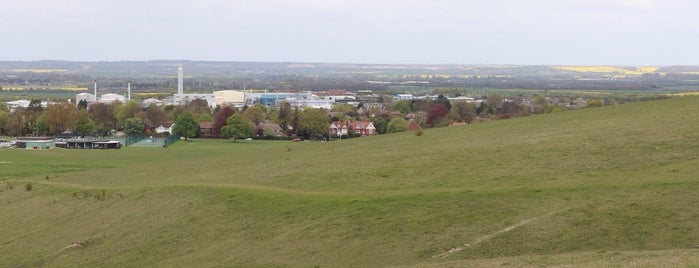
97 119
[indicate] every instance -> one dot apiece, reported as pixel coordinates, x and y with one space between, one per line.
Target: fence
156 141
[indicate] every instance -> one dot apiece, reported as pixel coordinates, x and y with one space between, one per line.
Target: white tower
180 84
95 90
128 91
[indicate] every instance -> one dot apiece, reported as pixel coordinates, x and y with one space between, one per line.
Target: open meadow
610 186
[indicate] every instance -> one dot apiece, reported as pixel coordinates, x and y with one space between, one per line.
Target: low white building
12 105
311 103
110 98
147 102
461 99
403 96
182 99
89 98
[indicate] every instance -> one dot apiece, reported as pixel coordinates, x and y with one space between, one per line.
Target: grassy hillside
606 186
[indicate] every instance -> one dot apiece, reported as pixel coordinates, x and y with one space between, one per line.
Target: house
162 129
362 128
206 129
337 128
271 129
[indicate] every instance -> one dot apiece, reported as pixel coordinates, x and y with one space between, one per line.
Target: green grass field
611 186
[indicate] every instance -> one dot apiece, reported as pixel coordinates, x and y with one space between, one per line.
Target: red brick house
362 128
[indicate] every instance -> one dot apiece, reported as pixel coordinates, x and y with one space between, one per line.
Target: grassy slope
593 186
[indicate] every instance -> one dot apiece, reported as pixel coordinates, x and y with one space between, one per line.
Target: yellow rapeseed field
38 70
608 69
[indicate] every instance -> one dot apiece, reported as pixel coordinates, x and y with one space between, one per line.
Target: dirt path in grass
490 236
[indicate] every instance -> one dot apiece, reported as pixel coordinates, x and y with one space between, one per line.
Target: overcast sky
567 32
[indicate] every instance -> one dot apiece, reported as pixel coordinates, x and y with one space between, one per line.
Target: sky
526 32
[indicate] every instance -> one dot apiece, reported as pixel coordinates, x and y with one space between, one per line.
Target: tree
85 125
82 104
254 114
463 112
237 127
512 108
286 115
436 114
126 111
402 106
61 117
40 127
154 115
197 107
442 99
35 106
380 124
594 103
3 119
421 105
397 125
492 104
4 113
134 126
313 122
185 125
205 118
15 123
220 118
103 117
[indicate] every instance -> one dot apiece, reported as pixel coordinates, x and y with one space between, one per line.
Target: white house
161 129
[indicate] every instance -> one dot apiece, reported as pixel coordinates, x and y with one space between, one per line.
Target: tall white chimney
95 90
180 84
128 90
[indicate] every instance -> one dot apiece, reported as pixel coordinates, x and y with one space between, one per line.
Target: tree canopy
237 127
397 125
220 118
134 126
313 122
61 117
185 125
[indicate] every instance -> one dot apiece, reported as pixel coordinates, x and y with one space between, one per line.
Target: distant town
49 104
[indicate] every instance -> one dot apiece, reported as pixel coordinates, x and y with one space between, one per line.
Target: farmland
609 69
613 186
206 76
